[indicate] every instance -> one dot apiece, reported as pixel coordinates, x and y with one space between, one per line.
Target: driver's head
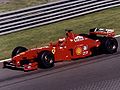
68 33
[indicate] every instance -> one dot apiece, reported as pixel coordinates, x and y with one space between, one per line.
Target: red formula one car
71 47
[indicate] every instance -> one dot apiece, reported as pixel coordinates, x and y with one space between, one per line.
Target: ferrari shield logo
53 50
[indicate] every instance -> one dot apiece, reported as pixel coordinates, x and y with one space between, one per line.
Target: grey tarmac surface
100 72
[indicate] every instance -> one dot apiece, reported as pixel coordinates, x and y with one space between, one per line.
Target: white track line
117 36
10 58
5 60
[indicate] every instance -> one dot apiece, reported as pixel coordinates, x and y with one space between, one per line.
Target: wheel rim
112 46
48 59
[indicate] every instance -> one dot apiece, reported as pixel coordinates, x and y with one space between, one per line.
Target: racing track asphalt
100 72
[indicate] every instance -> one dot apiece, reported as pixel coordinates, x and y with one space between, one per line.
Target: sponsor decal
78 50
78 38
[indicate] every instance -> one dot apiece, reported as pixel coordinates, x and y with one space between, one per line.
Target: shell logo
78 50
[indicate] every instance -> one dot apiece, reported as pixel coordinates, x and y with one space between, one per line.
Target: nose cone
17 58
30 54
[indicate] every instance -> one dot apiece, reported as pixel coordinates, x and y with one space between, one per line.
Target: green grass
18 4
40 36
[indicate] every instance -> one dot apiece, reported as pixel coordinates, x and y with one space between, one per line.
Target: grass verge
40 36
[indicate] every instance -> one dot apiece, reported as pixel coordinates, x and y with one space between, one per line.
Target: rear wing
101 31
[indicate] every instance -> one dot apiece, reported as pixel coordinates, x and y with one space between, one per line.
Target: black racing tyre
18 50
110 45
46 59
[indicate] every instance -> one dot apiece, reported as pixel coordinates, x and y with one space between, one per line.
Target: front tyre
46 59
18 50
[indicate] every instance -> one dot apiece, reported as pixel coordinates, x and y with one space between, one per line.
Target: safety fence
48 13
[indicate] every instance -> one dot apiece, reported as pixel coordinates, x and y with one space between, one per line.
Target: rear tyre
46 59
18 50
110 45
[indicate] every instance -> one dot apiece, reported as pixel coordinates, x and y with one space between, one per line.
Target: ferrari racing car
71 47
